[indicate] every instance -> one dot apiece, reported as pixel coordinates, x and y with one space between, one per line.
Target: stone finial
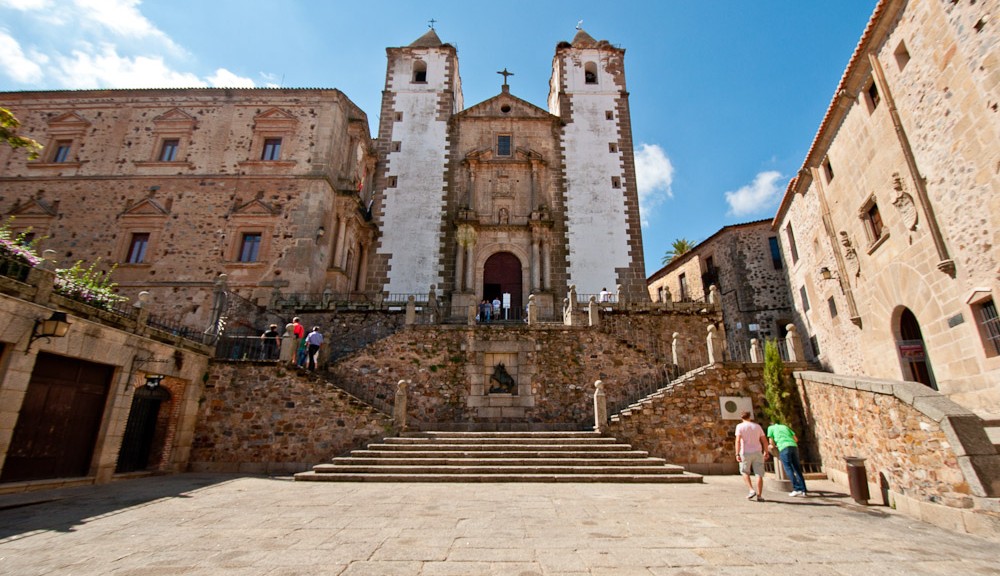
756 355
674 345
711 343
399 406
713 294
593 313
600 408
411 310
620 295
532 310
794 344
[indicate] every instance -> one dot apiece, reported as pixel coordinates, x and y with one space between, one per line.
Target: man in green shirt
788 451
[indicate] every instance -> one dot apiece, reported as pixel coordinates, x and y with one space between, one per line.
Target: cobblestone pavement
198 524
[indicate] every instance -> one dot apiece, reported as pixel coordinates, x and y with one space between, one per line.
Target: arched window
419 71
590 73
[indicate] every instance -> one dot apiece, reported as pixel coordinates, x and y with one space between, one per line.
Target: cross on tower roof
430 23
505 74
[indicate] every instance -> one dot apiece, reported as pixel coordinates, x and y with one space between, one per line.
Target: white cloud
104 68
763 193
15 63
225 79
654 175
25 5
82 44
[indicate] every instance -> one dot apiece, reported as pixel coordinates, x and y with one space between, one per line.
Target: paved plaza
198 524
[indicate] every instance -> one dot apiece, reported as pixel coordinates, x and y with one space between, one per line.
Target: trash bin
857 478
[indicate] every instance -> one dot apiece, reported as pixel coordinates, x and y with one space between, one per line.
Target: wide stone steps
499 457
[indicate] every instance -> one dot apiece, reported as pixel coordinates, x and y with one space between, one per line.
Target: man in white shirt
750 443
313 340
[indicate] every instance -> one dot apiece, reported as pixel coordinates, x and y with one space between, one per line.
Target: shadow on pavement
62 509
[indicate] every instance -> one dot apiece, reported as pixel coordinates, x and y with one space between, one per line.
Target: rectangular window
137 248
989 326
250 247
61 153
503 145
272 149
609 114
659 294
791 244
775 252
168 152
396 146
398 116
683 281
828 169
612 147
833 307
616 182
390 182
873 97
815 346
805 298
873 218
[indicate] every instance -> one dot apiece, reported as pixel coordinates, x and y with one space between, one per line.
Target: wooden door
59 419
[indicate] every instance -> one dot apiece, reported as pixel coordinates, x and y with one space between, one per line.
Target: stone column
756 356
794 345
362 269
600 408
340 252
399 407
535 264
546 266
470 268
460 268
711 345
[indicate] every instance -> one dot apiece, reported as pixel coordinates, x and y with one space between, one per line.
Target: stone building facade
505 197
110 396
176 187
744 262
890 229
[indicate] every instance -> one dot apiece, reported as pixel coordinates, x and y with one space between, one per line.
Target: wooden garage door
59 420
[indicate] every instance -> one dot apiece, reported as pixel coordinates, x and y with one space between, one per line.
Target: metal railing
245 349
14 269
379 395
174 328
345 344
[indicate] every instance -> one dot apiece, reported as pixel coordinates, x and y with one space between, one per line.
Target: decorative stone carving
850 255
501 382
904 203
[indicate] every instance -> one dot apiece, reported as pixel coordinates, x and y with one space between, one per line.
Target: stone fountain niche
500 376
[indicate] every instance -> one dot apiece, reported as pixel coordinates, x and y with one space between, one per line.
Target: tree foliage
777 407
8 134
679 247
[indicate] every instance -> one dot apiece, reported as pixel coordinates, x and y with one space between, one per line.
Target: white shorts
752 462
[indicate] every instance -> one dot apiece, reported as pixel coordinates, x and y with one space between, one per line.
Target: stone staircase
499 457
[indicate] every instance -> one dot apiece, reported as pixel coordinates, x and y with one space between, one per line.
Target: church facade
284 190
505 198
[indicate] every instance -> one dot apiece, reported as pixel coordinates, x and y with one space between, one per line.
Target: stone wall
685 425
919 445
556 370
259 418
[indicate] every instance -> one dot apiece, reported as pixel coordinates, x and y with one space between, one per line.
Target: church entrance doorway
912 352
502 275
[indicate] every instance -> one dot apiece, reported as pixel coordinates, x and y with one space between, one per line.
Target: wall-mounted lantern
55 327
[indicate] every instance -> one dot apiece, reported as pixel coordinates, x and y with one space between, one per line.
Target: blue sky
726 95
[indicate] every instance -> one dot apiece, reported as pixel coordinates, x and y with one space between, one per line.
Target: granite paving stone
206 524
